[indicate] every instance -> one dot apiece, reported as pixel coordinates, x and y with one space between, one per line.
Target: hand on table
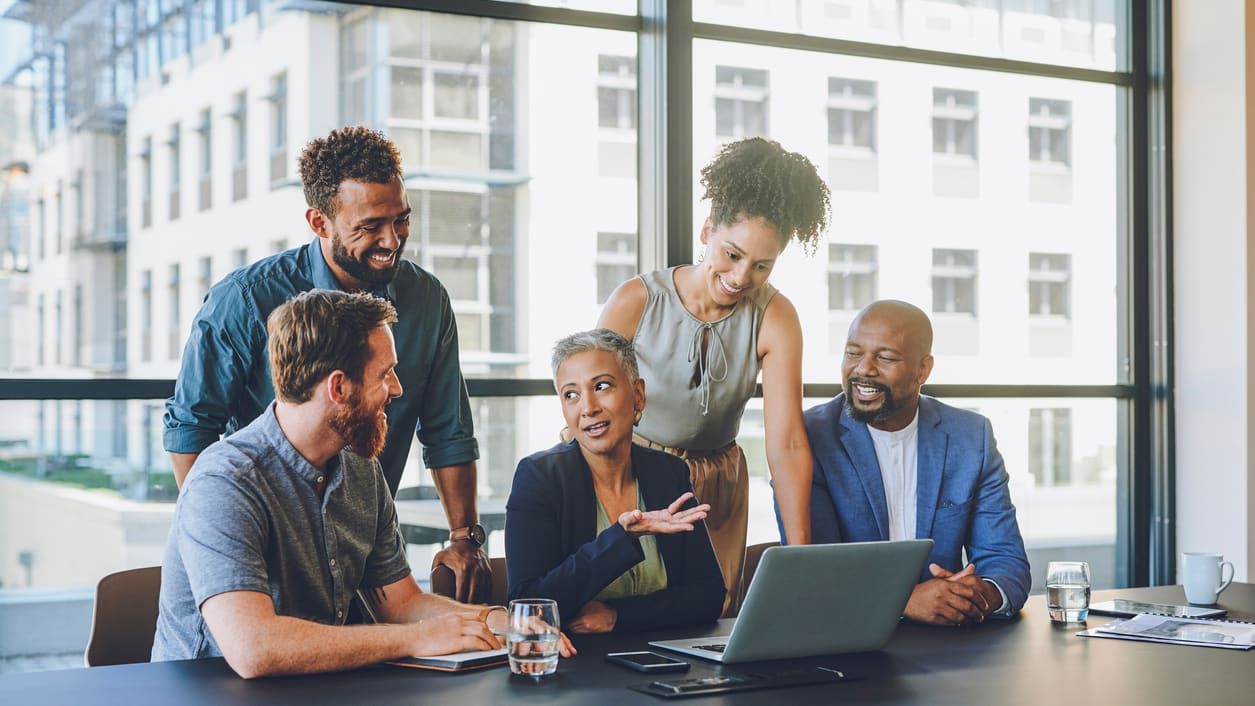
472 575
594 617
951 598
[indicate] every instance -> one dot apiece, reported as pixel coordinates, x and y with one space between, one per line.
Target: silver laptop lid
825 599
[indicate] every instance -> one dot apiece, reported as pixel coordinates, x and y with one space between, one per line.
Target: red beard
364 430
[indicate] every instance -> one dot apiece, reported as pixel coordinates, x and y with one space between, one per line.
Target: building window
175 332
41 237
852 114
58 330
1050 284
79 206
146 316
616 116
740 102
1050 446
954 122
204 139
59 214
239 167
616 262
440 70
204 275
1050 131
76 342
42 332
278 129
146 182
278 245
463 241
239 257
954 281
176 166
851 276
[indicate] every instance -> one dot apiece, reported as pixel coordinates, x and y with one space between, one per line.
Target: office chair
442 583
753 554
124 617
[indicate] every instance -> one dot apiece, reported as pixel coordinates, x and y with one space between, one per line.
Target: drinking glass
532 637
1067 591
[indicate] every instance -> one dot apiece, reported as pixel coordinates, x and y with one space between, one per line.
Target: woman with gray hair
607 528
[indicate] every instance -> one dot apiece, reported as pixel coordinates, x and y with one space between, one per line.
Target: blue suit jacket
553 549
962 500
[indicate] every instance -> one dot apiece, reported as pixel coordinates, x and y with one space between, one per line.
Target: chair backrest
442 582
753 554
124 619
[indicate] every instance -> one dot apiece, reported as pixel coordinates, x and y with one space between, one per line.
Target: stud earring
701 257
636 419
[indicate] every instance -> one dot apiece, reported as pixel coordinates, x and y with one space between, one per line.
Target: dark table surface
1026 660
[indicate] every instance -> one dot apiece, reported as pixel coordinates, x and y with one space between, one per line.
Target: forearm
182 464
457 486
285 645
791 480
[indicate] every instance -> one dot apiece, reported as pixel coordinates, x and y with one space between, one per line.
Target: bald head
907 318
888 356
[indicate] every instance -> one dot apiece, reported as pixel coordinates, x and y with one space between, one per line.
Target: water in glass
533 654
1068 602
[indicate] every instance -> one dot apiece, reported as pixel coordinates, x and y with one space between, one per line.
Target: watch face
477 534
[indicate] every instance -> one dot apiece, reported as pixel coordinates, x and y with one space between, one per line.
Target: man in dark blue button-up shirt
360 212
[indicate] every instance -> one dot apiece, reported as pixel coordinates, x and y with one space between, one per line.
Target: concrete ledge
44 622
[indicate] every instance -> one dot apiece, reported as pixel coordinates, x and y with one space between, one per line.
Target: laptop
817 599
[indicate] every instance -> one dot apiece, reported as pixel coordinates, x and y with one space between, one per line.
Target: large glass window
990 197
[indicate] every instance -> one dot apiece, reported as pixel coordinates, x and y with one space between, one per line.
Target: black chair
124 618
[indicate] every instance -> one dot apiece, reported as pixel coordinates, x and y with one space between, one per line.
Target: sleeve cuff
1005 610
187 440
451 453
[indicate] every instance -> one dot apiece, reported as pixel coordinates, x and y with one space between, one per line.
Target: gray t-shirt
249 518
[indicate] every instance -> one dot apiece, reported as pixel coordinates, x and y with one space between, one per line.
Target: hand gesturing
671 520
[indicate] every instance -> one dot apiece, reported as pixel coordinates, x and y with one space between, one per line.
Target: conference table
1024 660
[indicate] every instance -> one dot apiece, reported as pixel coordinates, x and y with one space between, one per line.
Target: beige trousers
721 479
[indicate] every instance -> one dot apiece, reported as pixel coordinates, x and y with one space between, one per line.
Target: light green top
648 576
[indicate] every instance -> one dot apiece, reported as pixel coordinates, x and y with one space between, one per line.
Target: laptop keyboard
712 648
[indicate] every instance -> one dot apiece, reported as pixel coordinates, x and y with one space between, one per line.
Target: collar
323 278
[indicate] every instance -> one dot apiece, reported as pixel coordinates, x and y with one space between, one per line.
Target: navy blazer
553 549
961 498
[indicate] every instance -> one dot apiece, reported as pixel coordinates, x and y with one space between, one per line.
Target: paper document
1179 631
461 661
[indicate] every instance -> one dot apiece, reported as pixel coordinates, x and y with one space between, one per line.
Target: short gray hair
598 339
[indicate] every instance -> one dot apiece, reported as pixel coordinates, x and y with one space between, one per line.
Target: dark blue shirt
224 382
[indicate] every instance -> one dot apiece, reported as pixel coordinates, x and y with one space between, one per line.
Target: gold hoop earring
636 419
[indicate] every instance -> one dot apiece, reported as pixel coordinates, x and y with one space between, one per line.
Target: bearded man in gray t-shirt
280 524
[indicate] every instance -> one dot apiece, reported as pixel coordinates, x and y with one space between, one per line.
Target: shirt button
339 614
319 479
333 562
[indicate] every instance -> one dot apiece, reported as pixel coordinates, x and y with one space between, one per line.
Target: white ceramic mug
1202 574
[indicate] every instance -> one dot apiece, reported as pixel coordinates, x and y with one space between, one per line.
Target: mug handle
1225 583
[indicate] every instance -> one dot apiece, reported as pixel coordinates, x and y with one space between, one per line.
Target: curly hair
348 153
756 177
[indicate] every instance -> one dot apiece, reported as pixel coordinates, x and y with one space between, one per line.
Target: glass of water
1067 591
532 637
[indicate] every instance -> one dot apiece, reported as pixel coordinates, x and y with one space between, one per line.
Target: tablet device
1126 609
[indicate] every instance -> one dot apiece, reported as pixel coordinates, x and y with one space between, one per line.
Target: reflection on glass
990 201
1085 33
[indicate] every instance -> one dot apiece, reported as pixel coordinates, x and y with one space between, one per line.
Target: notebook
460 662
818 599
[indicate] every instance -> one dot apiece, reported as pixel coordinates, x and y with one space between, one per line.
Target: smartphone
648 662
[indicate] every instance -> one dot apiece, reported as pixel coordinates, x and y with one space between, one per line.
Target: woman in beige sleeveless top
704 331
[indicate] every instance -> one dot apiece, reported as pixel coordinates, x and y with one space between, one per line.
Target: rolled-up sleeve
216 361
445 427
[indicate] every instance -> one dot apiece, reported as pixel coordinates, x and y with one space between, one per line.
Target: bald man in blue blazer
890 463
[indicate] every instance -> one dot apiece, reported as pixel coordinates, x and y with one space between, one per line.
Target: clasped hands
670 520
951 598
